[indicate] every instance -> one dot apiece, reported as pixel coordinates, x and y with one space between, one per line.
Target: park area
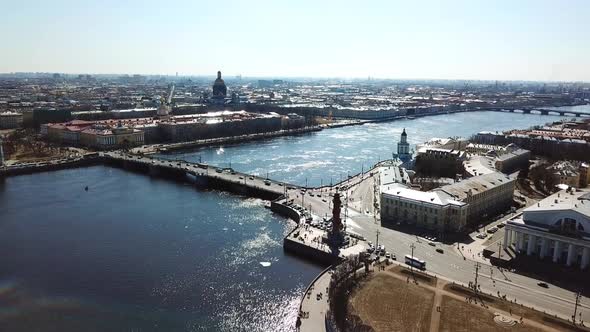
396 299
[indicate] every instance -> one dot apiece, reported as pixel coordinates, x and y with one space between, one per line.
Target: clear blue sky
470 39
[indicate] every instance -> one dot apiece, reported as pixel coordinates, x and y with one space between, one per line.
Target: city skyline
459 40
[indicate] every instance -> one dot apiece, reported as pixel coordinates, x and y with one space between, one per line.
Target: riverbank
170 147
52 165
159 206
61 163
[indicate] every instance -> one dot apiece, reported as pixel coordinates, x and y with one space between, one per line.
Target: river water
135 253
328 156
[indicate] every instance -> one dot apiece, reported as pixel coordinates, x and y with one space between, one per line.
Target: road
360 194
451 264
229 175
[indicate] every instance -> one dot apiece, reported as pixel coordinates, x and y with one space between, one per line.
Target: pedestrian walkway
315 305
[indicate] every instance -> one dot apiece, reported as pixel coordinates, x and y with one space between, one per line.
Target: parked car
543 284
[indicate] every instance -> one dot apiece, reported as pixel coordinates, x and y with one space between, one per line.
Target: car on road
543 284
500 225
393 257
440 251
387 255
492 230
241 177
218 170
266 182
251 178
431 243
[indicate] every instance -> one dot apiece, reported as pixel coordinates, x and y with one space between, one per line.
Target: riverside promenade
314 305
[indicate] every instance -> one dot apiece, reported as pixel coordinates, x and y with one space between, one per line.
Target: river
134 253
329 155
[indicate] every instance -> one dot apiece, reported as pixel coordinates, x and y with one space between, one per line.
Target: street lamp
412 247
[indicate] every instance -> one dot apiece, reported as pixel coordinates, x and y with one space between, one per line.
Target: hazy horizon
542 41
232 77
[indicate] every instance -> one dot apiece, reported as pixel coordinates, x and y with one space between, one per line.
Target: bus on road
415 262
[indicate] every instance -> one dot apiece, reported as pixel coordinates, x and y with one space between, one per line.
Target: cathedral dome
219 88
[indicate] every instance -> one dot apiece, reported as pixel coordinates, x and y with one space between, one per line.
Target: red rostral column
336 222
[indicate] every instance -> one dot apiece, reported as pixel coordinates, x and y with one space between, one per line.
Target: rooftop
430 197
569 199
479 165
476 185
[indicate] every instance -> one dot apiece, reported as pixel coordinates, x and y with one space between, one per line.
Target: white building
431 209
392 175
450 207
10 120
557 229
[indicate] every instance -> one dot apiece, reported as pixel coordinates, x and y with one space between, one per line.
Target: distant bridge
532 110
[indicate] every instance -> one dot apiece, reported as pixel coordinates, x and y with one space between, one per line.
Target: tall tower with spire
403 147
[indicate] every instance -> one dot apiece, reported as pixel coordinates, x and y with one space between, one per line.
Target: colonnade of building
560 249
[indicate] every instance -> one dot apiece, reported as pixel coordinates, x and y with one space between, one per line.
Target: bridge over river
541 111
202 174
